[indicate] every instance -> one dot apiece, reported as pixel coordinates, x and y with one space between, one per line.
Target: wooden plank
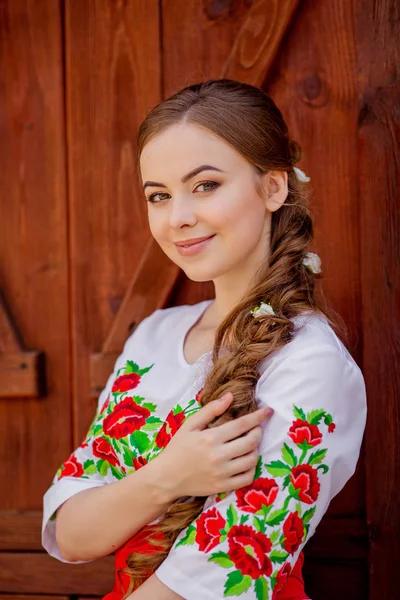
259 40
22 374
112 80
35 434
31 597
378 60
320 578
36 573
9 338
20 530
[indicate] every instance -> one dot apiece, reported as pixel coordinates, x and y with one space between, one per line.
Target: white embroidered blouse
244 542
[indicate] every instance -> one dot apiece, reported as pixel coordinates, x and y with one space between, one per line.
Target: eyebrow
185 178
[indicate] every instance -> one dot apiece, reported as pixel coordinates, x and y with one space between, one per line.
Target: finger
208 413
243 464
242 445
237 427
239 481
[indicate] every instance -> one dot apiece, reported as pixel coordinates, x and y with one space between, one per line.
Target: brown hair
248 119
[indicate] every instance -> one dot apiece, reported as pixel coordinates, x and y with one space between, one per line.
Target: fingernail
268 412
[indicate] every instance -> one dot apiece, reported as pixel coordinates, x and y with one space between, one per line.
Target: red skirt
291 588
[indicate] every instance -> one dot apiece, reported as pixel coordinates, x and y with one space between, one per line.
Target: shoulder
313 337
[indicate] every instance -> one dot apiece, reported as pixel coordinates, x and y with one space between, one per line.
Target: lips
193 241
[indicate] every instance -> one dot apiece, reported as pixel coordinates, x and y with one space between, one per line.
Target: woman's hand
201 461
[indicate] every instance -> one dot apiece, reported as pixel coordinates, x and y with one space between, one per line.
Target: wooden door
78 265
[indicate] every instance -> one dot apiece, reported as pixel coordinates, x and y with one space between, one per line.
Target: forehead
185 146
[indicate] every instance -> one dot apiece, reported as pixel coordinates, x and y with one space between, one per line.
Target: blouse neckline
193 318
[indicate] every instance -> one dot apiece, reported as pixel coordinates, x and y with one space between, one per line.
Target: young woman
207 494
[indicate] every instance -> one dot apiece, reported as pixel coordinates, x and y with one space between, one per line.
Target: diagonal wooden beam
250 60
258 41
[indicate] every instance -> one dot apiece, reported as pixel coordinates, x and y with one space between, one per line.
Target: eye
213 184
151 198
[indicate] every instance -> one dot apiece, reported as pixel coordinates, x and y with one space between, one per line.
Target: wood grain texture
112 80
378 32
33 243
37 573
20 530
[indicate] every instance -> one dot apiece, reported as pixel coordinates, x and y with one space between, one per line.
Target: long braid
242 342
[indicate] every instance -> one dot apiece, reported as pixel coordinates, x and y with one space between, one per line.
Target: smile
194 246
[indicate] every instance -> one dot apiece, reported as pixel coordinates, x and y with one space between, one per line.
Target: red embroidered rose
139 462
262 491
281 578
301 431
248 549
126 382
198 395
169 428
126 417
103 449
208 529
305 479
72 468
293 531
331 427
105 405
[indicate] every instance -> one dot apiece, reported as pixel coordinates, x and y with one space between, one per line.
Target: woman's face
218 206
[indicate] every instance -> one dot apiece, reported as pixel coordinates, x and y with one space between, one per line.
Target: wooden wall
77 264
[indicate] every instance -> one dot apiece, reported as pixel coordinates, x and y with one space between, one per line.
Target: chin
202 274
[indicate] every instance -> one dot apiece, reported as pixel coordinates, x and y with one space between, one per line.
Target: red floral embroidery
301 432
262 491
331 427
105 405
293 531
248 549
139 462
72 468
126 417
281 578
126 382
103 449
209 526
198 395
169 429
305 479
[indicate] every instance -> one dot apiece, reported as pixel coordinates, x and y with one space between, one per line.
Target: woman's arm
246 542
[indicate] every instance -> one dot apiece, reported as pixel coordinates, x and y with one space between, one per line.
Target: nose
182 212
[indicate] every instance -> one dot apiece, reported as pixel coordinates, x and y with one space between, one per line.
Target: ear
276 189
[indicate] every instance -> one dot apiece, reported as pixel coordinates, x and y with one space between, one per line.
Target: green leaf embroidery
278 557
140 440
278 468
259 525
266 509
288 455
150 406
189 538
89 467
97 429
232 516
244 519
317 457
308 515
145 370
258 468
299 413
277 516
221 559
274 536
293 492
131 367
261 588
152 423
324 468
286 481
314 417
102 467
237 583
117 474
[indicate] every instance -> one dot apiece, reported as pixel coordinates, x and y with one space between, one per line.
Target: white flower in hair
263 309
313 262
301 176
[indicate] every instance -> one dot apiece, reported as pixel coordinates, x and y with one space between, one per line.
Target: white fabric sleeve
92 464
245 542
